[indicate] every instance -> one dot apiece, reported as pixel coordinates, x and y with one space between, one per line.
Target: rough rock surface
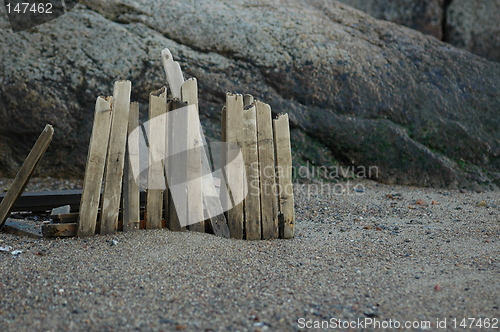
359 91
423 15
475 26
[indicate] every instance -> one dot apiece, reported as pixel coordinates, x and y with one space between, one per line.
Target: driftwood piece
24 174
94 171
116 158
284 176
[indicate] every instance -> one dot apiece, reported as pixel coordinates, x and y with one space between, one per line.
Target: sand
377 254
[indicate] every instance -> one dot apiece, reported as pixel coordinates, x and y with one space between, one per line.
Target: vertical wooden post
94 171
284 176
131 195
173 72
195 153
176 172
24 174
156 176
248 100
116 157
269 204
235 171
250 156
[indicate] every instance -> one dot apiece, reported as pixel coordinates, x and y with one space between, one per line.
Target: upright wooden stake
248 100
173 72
176 172
131 195
284 176
250 155
24 174
116 157
269 204
156 175
234 171
195 153
94 172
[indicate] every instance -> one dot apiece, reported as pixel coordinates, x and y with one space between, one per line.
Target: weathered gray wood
234 170
283 154
55 230
251 158
174 74
94 171
248 100
115 161
195 153
131 195
268 199
156 176
20 227
176 171
21 180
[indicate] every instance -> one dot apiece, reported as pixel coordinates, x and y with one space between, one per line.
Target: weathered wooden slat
176 171
19 227
43 201
174 74
131 196
248 100
195 153
250 156
55 230
24 174
156 175
283 154
94 171
116 158
65 218
269 204
235 171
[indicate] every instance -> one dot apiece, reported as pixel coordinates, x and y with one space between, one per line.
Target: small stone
482 204
463 191
437 288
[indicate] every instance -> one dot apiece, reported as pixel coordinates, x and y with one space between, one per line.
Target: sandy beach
378 254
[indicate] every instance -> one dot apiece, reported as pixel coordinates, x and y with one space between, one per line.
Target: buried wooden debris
21 227
24 174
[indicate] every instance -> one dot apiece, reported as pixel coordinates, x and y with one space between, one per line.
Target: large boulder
360 92
423 15
475 26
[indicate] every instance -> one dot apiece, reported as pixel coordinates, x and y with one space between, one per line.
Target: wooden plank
116 158
55 230
234 171
20 227
250 156
94 171
43 201
283 154
248 100
156 176
268 199
195 153
131 196
24 174
174 74
176 172
65 218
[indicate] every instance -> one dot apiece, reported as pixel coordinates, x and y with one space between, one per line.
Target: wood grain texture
115 160
21 180
269 203
131 195
235 181
281 128
253 227
156 175
94 171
